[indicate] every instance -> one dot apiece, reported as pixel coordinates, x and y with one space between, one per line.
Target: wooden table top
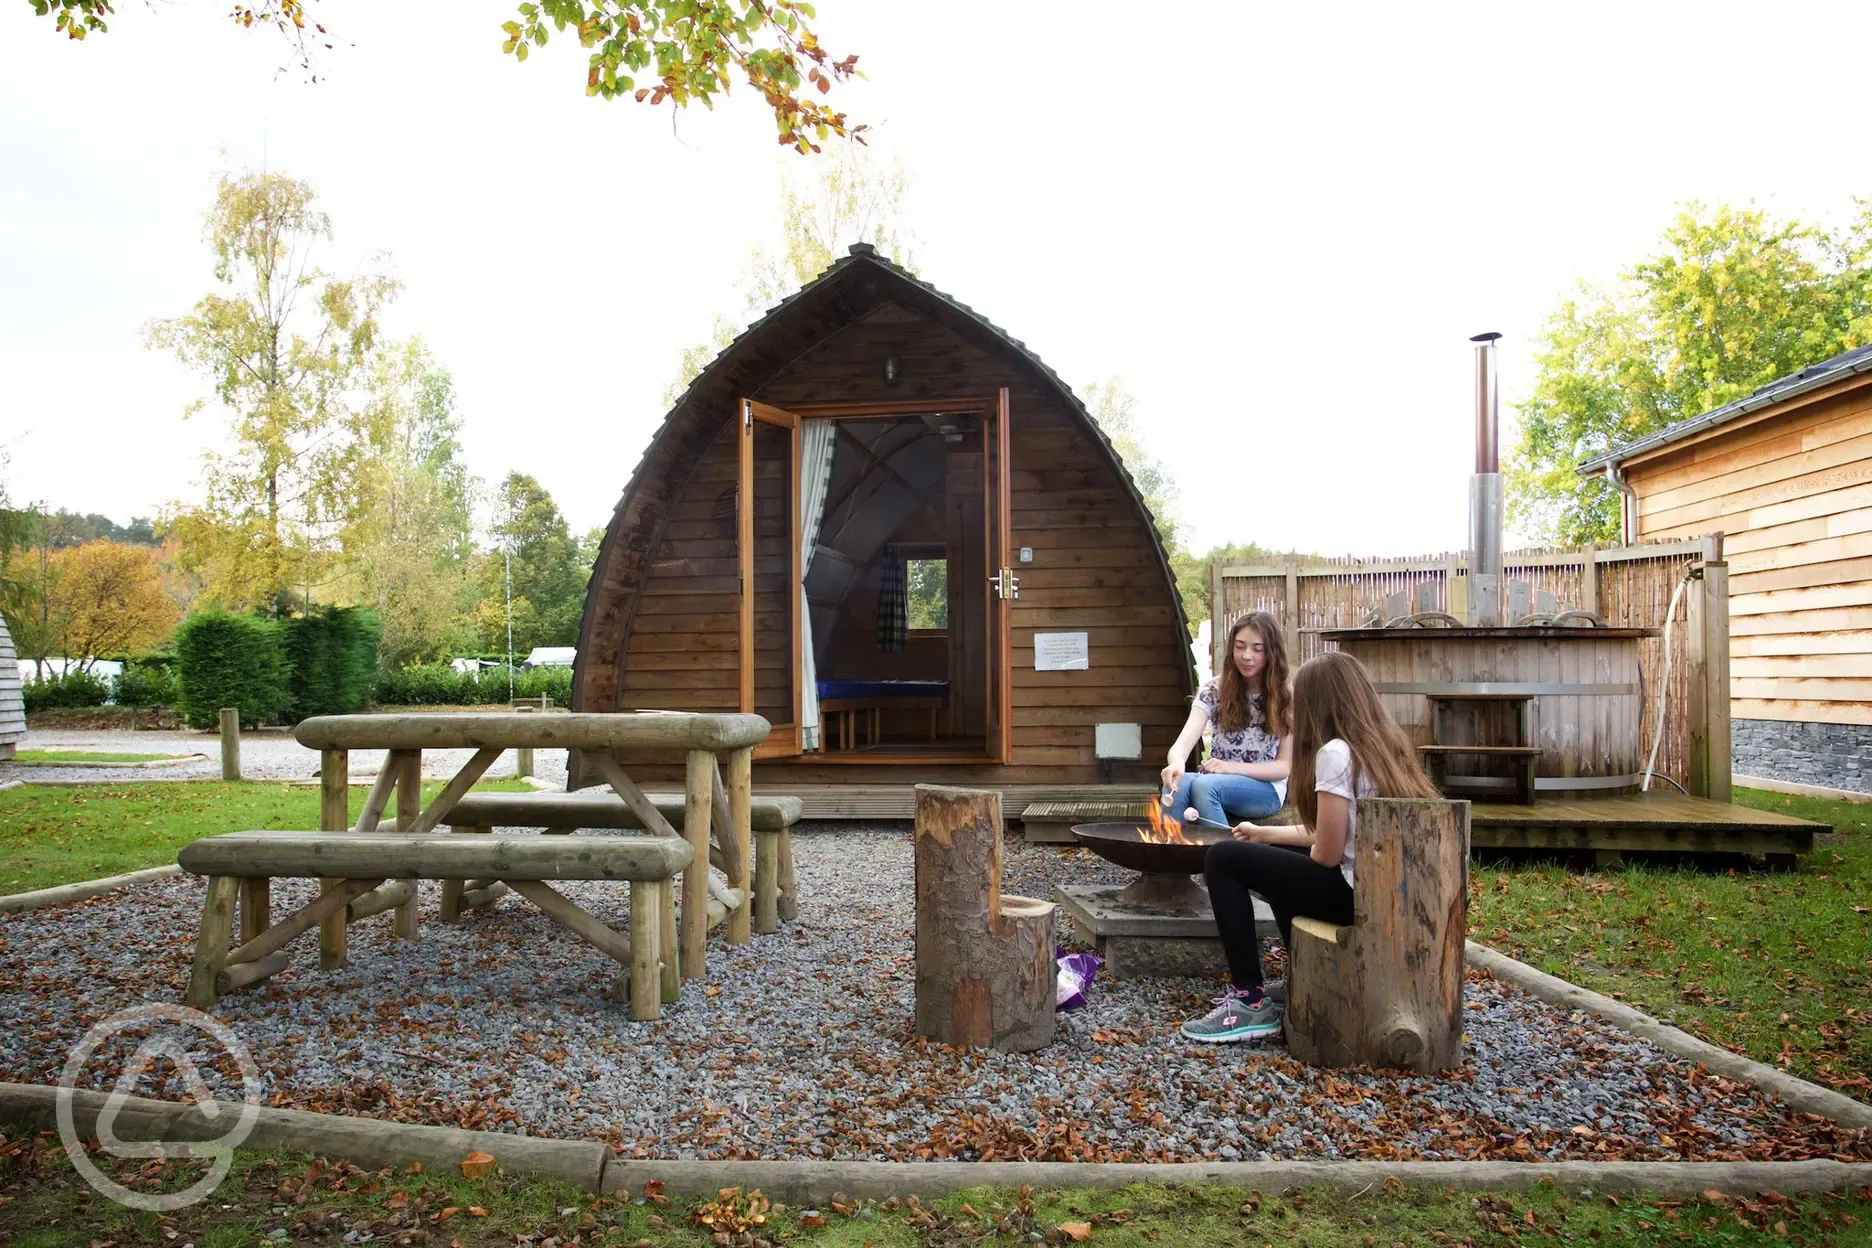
507 730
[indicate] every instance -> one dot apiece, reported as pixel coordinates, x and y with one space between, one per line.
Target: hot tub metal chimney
1485 495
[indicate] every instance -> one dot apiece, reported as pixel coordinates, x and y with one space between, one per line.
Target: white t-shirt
1332 773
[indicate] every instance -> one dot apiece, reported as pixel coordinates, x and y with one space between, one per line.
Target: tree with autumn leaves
655 52
101 598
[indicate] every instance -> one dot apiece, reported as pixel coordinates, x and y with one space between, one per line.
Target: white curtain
817 440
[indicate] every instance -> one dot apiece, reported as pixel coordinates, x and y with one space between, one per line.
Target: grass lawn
43 1204
59 835
1774 965
86 756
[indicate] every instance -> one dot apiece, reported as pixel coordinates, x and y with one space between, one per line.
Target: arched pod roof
853 287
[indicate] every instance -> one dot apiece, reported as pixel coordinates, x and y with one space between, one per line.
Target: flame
1164 828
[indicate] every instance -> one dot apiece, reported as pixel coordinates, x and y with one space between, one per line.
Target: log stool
985 974
1387 991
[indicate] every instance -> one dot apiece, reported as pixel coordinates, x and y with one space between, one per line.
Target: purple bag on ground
1075 976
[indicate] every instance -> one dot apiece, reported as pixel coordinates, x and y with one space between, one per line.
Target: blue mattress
883 689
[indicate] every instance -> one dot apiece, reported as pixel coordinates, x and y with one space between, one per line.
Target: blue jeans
1225 799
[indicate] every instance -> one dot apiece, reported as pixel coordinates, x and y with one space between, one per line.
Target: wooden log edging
177 761
59 894
589 1165
1798 1093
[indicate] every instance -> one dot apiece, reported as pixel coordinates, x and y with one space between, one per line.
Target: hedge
145 684
332 656
73 688
231 660
441 685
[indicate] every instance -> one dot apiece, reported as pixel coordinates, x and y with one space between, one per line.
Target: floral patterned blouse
1253 744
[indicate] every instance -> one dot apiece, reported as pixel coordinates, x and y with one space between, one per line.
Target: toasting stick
1190 815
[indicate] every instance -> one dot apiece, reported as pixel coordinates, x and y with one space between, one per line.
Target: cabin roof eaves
1847 364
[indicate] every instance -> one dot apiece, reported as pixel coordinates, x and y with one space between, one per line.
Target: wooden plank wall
1627 591
682 649
12 699
1791 492
1094 569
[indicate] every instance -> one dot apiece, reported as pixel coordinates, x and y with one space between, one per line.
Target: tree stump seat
771 818
1386 990
985 970
355 866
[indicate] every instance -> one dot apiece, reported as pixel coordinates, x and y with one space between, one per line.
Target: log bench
353 865
770 818
1387 989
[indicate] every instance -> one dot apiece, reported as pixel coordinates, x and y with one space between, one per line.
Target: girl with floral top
1249 712
1346 747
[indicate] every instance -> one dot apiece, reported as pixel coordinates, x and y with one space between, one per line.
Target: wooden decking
1640 823
1632 823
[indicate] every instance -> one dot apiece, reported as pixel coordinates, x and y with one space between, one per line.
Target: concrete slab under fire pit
1140 942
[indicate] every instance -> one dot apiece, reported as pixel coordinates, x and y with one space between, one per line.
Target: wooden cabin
883 524
12 697
1785 475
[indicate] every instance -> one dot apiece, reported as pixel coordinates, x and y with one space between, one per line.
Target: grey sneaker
1234 1019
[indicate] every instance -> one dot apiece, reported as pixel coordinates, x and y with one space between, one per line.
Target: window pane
927 592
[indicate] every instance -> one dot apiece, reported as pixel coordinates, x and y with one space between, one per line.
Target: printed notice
1061 652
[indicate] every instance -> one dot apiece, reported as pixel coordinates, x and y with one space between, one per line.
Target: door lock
1006 584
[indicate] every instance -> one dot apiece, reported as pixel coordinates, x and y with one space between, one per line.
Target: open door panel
768 548
1003 585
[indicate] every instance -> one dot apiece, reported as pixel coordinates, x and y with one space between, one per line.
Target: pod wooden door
1003 583
768 546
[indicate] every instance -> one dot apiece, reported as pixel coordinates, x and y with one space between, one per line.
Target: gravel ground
264 756
800 1045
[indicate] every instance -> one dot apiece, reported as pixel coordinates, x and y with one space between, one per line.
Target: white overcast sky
1279 224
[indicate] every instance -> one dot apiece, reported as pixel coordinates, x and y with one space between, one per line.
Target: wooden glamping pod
950 576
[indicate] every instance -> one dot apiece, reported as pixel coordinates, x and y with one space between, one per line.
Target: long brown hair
1276 698
1333 697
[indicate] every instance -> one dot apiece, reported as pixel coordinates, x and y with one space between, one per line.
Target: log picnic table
471 868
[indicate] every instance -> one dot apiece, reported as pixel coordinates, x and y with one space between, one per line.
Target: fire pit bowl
1166 867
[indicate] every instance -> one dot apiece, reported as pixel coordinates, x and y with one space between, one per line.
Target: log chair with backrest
1387 990
985 970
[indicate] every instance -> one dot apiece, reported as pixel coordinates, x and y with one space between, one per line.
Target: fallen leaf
444 1215
477 1165
476 1211
1078 1232
397 1200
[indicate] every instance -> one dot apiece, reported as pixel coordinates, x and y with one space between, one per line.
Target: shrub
427 684
73 688
332 656
230 660
145 684
552 682
438 684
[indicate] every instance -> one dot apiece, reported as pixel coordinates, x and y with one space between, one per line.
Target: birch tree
286 348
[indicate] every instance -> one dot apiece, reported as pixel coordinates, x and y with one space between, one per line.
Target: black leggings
1290 881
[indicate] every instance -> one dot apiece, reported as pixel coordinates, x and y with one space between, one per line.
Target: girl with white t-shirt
1346 746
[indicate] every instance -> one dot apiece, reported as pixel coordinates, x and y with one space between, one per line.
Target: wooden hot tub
1576 692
